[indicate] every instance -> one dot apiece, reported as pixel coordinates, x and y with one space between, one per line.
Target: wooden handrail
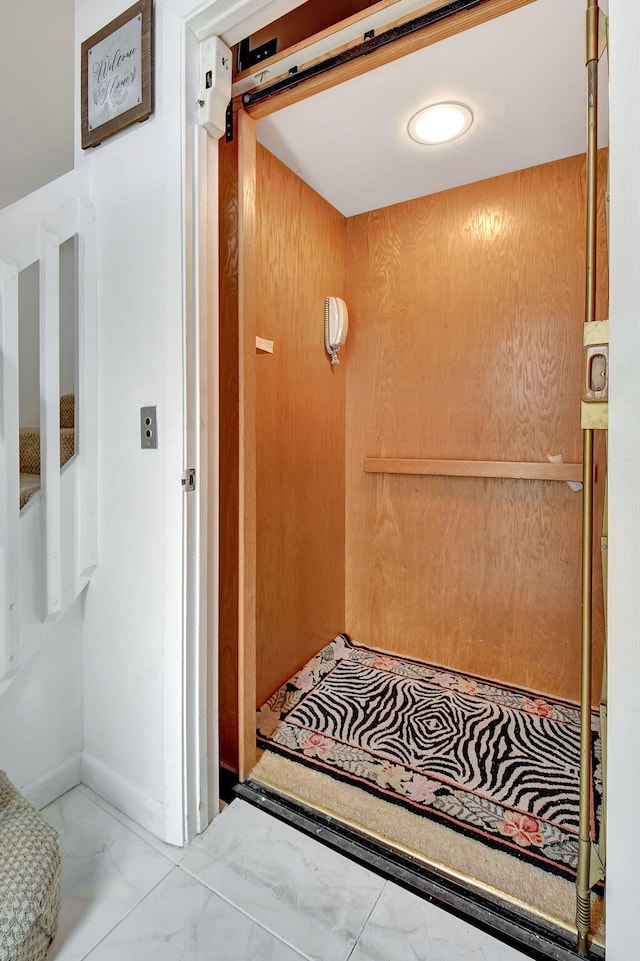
520 470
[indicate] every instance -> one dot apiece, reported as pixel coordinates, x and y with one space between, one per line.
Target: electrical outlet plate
148 428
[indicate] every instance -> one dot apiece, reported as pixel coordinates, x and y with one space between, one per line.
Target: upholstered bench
30 874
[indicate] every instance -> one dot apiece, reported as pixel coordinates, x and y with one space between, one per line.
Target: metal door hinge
597 32
597 871
603 33
189 479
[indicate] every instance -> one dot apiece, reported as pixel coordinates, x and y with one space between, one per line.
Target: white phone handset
336 325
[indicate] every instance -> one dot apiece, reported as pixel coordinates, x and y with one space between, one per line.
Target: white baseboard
53 784
123 795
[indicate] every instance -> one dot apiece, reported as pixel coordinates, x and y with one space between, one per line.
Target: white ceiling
522 74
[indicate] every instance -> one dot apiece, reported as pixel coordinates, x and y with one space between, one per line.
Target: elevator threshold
503 916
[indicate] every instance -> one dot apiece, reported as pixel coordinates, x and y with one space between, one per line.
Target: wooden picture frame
117 74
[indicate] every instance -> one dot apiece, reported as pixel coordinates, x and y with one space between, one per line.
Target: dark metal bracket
228 124
248 58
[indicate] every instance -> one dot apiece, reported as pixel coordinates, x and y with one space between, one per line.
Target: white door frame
195 22
200 619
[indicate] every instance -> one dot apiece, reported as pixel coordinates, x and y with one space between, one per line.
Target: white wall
29 358
30 337
133 647
41 712
36 133
37 83
41 715
68 317
623 879
133 626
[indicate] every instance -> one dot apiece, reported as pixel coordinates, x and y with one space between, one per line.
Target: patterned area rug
495 762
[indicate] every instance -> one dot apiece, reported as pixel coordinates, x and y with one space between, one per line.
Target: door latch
596 373
595 376
189 480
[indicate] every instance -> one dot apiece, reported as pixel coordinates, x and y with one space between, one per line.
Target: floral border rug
492 761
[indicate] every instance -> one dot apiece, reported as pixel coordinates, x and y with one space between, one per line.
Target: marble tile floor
249 889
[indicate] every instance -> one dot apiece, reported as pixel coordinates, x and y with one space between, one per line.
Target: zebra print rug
492 761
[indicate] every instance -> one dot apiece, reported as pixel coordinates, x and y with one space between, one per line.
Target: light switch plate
148 428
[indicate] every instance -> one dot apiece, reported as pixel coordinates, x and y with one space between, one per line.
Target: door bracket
596 867
603 33
189 480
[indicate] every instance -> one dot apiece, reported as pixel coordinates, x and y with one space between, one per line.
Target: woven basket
30 878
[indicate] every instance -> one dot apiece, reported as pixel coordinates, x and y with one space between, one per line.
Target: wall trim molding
52 785
145 810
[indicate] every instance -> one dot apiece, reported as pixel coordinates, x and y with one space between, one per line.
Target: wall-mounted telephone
336 325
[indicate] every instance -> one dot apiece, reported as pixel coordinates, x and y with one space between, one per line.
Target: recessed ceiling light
440 123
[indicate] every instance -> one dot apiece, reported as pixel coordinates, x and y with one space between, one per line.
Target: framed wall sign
117 74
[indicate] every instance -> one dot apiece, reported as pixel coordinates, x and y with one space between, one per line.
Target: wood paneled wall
466 313
229 454
300 426
237 524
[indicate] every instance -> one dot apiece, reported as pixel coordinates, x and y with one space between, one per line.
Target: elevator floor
475 778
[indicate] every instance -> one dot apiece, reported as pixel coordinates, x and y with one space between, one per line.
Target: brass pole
604 545
583 891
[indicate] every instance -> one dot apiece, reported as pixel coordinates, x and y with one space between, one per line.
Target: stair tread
29 485
30 448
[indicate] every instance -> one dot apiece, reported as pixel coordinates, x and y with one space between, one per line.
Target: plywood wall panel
229 454
465 343
247 263
237 619
300 426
